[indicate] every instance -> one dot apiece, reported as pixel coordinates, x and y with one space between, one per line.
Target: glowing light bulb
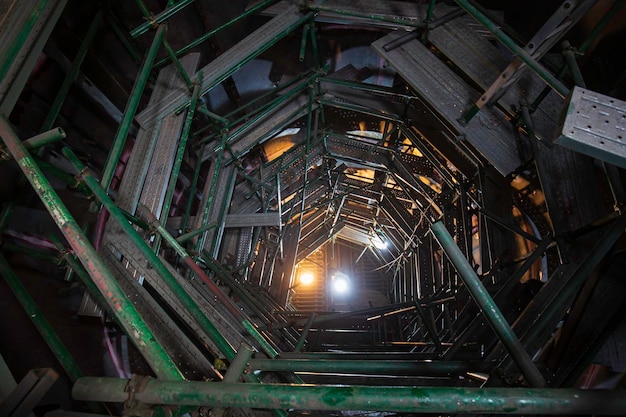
340 285
306 278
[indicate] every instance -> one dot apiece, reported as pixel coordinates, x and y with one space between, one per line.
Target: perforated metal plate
595 125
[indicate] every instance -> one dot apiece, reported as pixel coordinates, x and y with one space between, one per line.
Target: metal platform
229 62
148 170
449 96
245 138
192 362
595 125
211 308
483 62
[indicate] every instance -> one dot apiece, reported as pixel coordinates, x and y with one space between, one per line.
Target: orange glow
274 148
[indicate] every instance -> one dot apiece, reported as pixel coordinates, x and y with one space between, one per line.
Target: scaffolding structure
207 220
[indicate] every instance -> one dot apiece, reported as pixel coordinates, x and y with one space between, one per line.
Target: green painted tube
489 308
11 247
116 299
214 116
236 370
212 286
222 344
305 33
159 18
250 120
223 298
305 333
218 29
178 65
555 311
34 313
428 20
47 167
388 367
209 202
238 366
195 232
122 36
265 345
71 75
5 214
333 397
599 27
570 59
45 138
143 8
78 270
180 152
519 52
131 108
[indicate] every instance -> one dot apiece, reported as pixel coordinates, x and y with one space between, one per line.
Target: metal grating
595 125
450 96
229 62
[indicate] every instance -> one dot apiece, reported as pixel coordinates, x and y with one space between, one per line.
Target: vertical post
118 302
212 286
428 20
570 59
223 345
130 110
488 306
235 370
305 333
305 33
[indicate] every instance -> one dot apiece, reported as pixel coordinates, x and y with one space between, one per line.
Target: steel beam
120 305
225 347
131 108
159 18
230 61
213 287
488 306
389 367
332 397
